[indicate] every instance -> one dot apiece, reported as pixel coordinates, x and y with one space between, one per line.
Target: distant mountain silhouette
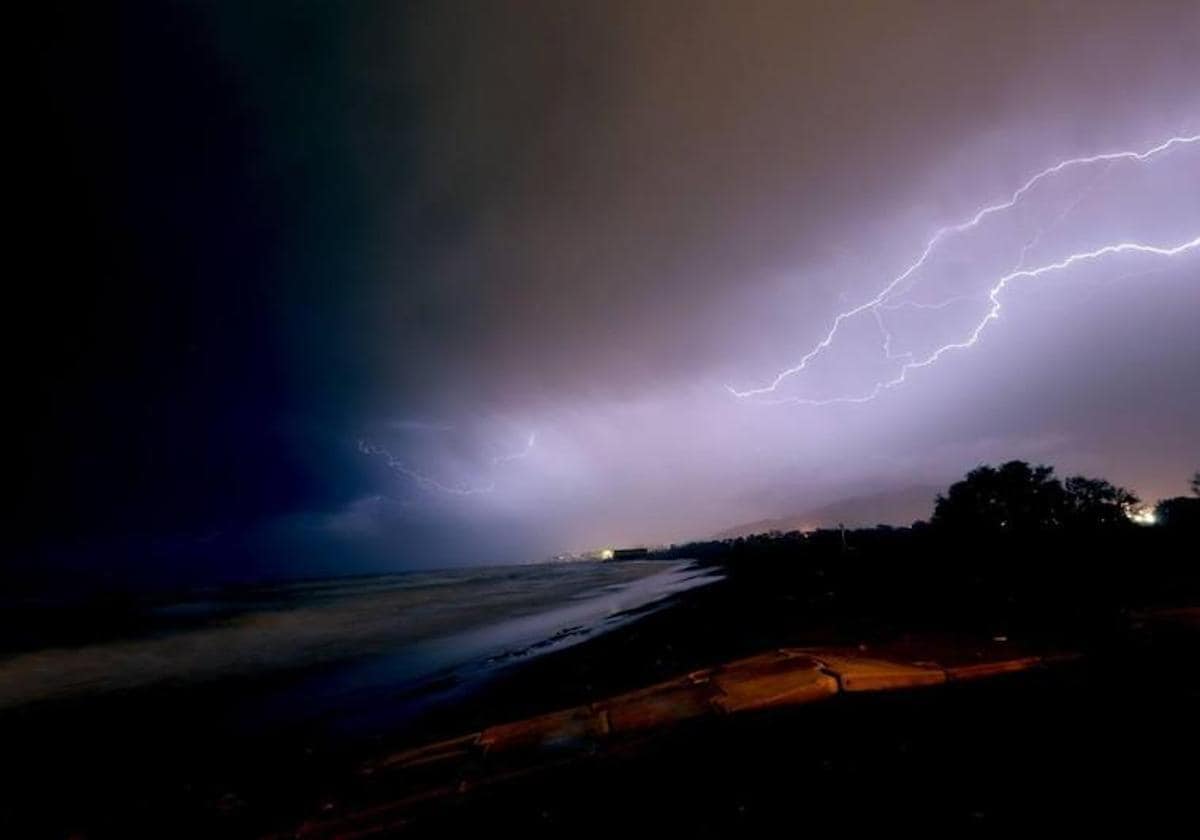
892 507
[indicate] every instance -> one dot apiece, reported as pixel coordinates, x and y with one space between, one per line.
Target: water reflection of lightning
881 300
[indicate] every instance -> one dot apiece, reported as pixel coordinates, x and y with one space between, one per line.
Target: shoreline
270 783
231 765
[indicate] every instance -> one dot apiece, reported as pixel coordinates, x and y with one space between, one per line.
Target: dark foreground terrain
1083 747
1102 733
1106 740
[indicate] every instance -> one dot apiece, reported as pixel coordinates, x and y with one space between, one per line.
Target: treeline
1009 549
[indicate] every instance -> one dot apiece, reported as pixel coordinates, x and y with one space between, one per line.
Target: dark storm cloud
644 169
660 198
265 233
195 227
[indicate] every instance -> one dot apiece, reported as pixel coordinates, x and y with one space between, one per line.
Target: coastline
282 782
256 745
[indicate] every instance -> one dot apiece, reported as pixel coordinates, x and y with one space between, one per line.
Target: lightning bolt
428 482
523 452
941 234
994 313
422 480
912 304
878 310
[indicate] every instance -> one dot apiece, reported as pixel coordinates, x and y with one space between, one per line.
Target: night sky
310 288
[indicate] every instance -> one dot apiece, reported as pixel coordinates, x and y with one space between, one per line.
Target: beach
335 750
270 691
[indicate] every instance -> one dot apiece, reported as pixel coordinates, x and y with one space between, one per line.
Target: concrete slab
982 670
779 680
578 726
666 705
861 673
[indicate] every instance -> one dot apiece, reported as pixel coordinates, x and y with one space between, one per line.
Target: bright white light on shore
606 554
1143 516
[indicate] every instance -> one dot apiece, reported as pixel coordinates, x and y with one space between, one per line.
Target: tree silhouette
1179 512
1014 497
1019 498
1095 503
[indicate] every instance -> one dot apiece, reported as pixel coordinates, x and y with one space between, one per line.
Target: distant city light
1143 516
606 554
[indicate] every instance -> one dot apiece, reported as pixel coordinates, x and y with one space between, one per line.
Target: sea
338 657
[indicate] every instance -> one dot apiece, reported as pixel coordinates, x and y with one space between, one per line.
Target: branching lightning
424 481
427 482
994 312
882 301
521 453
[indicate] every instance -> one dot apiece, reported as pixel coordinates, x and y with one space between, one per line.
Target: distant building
630 553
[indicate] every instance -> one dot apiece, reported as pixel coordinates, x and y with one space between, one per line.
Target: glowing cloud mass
888 298
326 288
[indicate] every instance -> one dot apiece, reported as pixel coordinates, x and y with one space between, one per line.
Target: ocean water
349 656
